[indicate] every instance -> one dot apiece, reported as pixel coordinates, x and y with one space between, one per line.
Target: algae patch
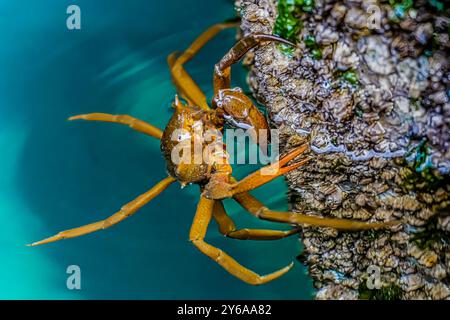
391 292
430 235
288 23
419 173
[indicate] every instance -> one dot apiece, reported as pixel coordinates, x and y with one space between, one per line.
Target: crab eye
183 136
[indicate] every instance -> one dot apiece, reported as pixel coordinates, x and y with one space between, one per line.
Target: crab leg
270 172
222 70
197 234
126 211
125 119
186 86
228 228
256 208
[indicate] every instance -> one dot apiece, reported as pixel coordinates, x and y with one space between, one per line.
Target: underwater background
58 174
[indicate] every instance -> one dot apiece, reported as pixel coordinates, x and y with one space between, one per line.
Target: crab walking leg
255 207
171 58
228 228
125 119
126 211
222 70
197 234
270 172
188 89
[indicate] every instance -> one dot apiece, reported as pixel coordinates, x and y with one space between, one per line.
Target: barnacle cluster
374 107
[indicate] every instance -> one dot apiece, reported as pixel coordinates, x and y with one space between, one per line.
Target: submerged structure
368 89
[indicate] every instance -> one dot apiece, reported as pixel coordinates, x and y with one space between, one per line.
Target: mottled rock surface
380 142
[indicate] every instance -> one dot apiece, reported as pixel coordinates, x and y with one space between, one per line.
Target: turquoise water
57 175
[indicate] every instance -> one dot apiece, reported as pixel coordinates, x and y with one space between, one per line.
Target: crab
214 177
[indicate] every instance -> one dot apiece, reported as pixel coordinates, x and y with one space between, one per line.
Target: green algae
391 292
438 5
311 44
419 173
430 236
288 23
351 77
401 8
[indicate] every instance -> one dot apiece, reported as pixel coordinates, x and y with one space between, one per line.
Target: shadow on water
74 173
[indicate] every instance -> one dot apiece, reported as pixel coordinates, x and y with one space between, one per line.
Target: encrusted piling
368 88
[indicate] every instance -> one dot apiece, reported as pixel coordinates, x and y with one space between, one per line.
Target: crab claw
272 171
240 112
220 186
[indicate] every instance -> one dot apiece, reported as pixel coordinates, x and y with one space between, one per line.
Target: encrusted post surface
371 97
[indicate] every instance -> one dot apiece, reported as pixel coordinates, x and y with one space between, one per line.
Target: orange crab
214 177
